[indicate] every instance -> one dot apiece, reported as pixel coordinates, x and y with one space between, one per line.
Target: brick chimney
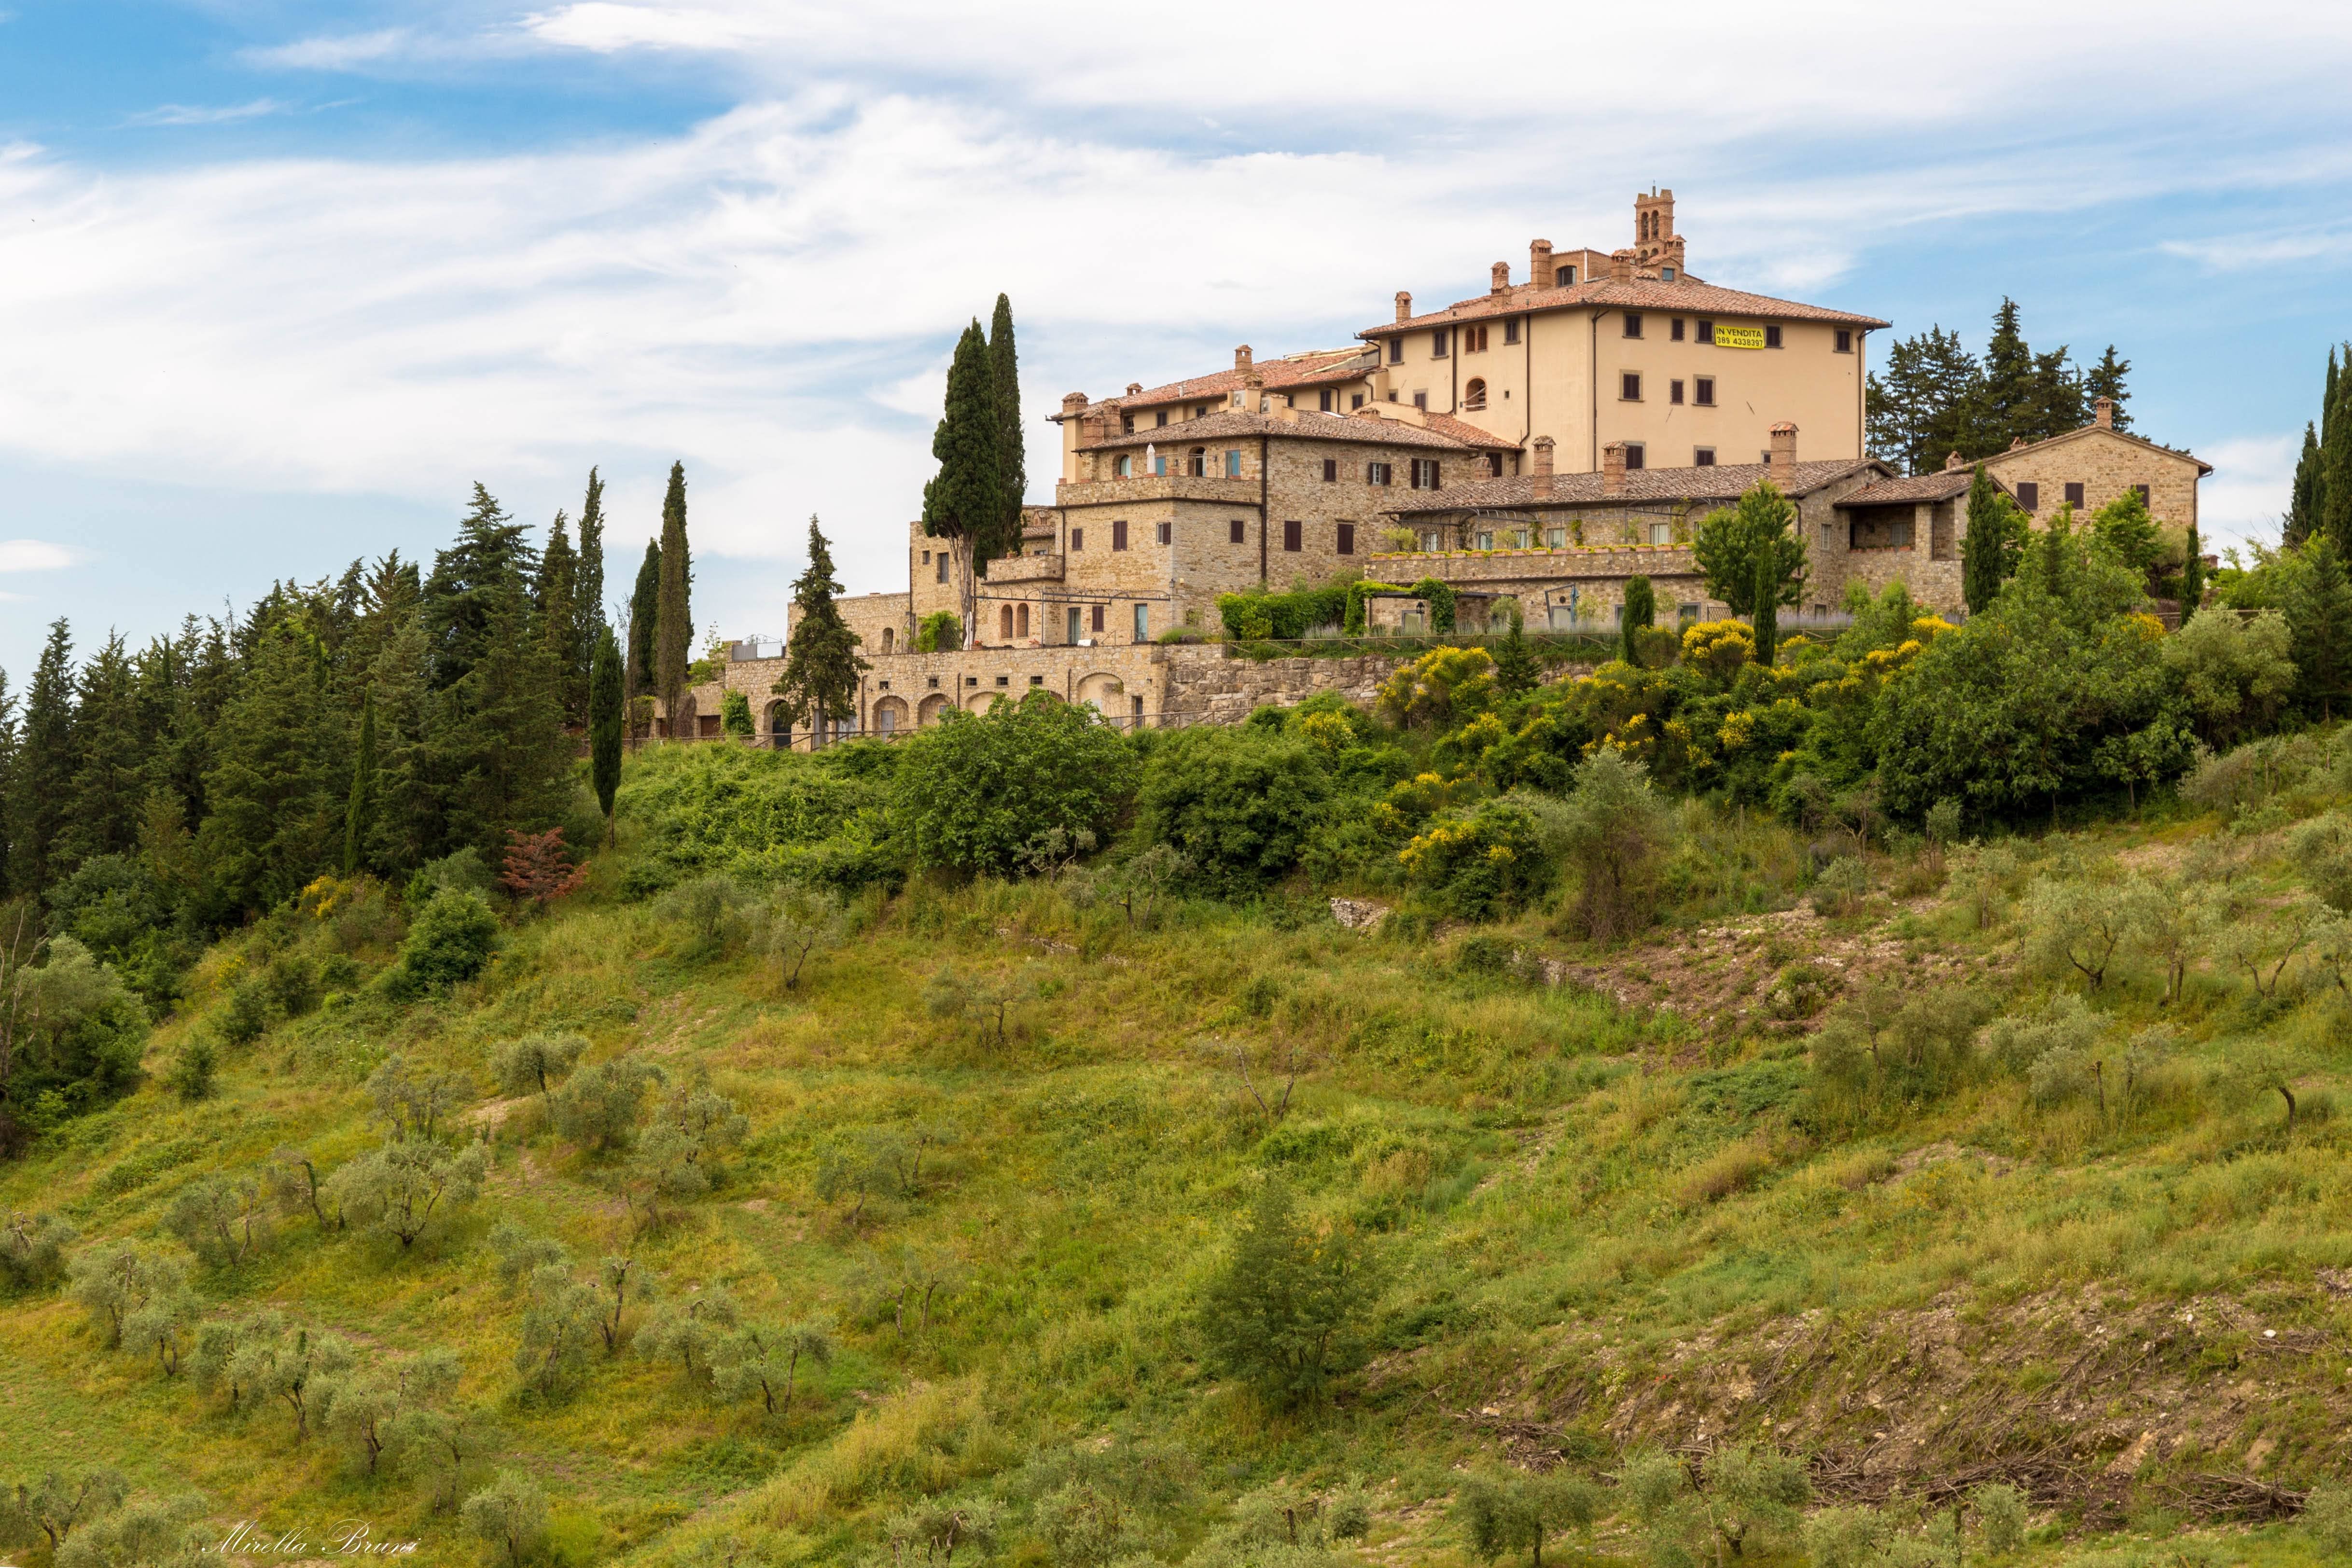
1539 272
1541 479
1784 455
1404 306
1612 469
1499 278
1620 266
1133 388
1241 358
2103 412
1954 460
1072 404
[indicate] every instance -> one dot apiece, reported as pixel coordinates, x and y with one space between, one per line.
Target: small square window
1703 457
972 680
1675 330
926 558
1707 331
1635 454
1355 401
2028 495
1661 533
1347 538
1239 533
1771 337
2074 494
1630 387
935 682
1163 417
1845 339
1633 323
1330 470
1674 392
1703 391
1167 533
1005 680
1294 536
1037 680
1077 538
1511 331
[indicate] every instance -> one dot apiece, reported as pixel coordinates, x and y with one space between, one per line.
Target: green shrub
735 716
79 1037
247 1014
940 632
1239 805
450 942
977 790
191 1072
1286 1312
1288 616
1481 863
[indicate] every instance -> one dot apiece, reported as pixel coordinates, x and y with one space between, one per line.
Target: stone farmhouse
1541 443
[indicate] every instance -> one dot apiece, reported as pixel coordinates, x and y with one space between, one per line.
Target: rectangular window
1707 331
1376 473
1330 470
1845 339
1347 538
1494 466
1294 536
1163 417
942 564
1703 392
1510 331
1233 463
1633 323
1240 532
1421 400
1125 468
1355 401
1167 533
1704 457
1635 454
2028 495
1077 539
1825 544
1556 539
2141 491
1475 340
1674 392
1437 344
1160 466
1675 330
1097 617
1143 623
1563 276
1127 425
1076 628
1396 351
1661 533
1325 397
2074 494
1629 387
1771 337
1118 535
1424 473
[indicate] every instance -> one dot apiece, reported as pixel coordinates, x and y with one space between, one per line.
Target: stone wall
1583 584
2105 463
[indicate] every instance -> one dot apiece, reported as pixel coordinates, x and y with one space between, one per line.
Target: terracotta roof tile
1306 427
1939 485
1721 482
2203 468
1641 294
1275 375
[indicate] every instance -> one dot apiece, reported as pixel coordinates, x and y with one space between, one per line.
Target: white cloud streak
198 114
34 555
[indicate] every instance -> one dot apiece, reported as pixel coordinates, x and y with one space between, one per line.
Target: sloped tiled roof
1942 484
1320 366
1306 427
1642 293
1721 482
2203 468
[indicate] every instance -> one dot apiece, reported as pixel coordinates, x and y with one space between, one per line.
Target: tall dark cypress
2302 501
361 806
8 777
1766 598
589 594
1981 553
605 699
1013 462
673 617
2335 470
557 597
1641 609
2192 577
964 502
2320 621
45 766
820 663
645 611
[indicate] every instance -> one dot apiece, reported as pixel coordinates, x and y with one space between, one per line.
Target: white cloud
346 52
2247 496
34 555
199 114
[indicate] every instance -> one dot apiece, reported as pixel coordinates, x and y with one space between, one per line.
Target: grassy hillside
1793 1169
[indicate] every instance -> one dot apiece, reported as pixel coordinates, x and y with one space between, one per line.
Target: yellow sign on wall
1739 337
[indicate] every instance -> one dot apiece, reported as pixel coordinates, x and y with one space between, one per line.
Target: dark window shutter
1347 538
1119 535
1291 539
2028 495
1240 534
1330 470
2141 491
1097 623
1077 538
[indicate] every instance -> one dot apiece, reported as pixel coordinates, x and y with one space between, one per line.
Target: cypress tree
589 593
2303 502
2336 483
1011 460
44 768
2192 577
1641 609
2057 546
821 662
605 699
8 777
644 609
964 503
674 615
1767 618
557 596
1982 551
363 801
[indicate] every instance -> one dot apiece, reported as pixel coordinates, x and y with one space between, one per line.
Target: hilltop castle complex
1541 443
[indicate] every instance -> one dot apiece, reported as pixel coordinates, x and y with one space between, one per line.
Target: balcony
1157 488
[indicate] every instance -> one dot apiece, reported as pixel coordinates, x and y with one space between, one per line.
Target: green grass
1593 1221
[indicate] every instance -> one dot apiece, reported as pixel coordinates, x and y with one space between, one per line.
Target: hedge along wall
1288 616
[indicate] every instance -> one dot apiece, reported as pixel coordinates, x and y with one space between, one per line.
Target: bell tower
1655 243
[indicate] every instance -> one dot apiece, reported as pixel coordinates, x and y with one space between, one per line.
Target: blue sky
279 282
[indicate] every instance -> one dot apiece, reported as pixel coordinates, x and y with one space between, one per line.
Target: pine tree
558 602
589 593
1982 555
362 799
964 503
1767 615
1641 609
1517 668
1920 409
2319 623
485 575
606 700
820 663
1012 463
2006 404
494 739
2105 379
274 820
44 768
110 783
404 818
674 615
2302 504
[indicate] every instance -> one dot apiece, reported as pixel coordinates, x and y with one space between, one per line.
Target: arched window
1474 394
779 728
890 636
1021 620
1198 464
1005 623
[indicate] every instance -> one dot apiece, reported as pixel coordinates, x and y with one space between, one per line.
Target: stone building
2087 468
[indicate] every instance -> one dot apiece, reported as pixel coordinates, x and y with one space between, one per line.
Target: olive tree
1519 1511
536 1063
364 1405
1612 830
117 1280
33 1249
510 1514
412 1102
558 1329
692 1331
145 1532
408 1186
764 1360
224 1220
56 1505
598 1106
